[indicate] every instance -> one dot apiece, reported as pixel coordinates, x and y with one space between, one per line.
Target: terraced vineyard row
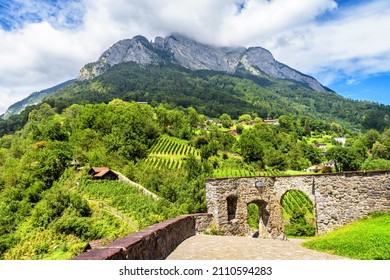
159 162
170 152
223 173
174 147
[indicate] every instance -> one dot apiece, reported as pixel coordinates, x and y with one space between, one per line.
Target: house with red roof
102 173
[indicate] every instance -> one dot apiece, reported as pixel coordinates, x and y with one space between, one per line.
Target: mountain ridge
32 99
181 50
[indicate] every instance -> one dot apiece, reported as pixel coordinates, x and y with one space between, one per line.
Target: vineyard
294 200
170 146
138 207
169 152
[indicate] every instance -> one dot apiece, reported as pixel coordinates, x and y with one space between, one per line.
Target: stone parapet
154 243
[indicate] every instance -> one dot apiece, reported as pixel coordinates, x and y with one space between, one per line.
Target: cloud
350 45
351 82
59 37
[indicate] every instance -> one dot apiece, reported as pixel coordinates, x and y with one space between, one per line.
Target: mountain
32 99
179 72
180 50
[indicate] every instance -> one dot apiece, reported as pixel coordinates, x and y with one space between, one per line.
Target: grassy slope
367 239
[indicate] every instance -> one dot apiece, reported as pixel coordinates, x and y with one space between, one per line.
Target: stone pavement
210 247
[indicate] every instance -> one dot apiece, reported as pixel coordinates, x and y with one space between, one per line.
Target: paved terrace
209 247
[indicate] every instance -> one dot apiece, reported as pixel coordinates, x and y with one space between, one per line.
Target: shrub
298 225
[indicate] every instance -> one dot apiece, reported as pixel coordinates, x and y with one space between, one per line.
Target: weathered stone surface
338 199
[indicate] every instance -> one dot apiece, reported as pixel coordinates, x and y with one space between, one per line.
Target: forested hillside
50 208
213 93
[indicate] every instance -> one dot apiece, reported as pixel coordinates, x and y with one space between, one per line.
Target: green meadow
366 239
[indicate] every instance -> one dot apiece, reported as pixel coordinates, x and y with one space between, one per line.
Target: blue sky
344 44
61 14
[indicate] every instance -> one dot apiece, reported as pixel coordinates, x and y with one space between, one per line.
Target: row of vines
170 153
222 173
173 147
294 200
162 163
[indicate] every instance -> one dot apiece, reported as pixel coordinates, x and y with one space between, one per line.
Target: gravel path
209 247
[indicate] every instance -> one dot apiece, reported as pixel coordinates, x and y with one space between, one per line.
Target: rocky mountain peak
183 51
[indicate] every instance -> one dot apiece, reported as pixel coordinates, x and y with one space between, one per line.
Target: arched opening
298 214
231 207
258 218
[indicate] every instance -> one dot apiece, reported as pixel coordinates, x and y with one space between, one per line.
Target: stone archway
338 199
262 217
299 213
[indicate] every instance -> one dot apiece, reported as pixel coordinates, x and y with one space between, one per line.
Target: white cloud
43 54
351 82
354 44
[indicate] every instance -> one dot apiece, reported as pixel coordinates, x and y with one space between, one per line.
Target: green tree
376 164
239 128
226 120
380 151
245 118
370 137
298 225
286 123
275 159
193 117
251 146
337 128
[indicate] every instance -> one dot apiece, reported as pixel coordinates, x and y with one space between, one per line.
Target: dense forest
50 207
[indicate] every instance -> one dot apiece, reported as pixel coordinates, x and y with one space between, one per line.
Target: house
321 146
233 132
330 164
274 122
102 173
340 140
74 163
314 168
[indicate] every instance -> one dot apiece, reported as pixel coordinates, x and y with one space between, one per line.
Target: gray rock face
181 50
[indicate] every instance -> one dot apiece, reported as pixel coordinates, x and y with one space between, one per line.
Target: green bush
78 226
298 225
253 216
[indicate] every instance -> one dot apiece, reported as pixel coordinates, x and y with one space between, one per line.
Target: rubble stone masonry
338 199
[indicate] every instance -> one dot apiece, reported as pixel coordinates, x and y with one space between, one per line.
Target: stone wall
344 198
154 243
220 193
338 199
